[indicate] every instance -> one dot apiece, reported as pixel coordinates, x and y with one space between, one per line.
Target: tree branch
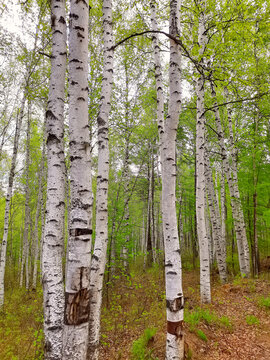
176 40
236 101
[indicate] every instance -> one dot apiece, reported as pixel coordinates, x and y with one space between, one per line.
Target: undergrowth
264 302
139 349
194 318
21 322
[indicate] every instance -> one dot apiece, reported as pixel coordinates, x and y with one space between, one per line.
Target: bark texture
77 293
173 270
205 288
101 240
8 199
52 249
36 244
216 222
237 211
27 212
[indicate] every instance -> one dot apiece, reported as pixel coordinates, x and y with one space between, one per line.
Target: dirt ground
138 303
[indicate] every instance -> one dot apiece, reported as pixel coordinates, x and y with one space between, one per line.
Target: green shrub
265 302
225 321
139 349
201 335
193 318
252 320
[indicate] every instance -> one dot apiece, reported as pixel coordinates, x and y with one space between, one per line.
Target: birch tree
8 199
216 222
52 249
77 292
36 243
242 244
27 212
173 271
200 175
101 240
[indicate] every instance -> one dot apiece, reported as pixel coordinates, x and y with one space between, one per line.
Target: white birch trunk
239 210
216 222
77 293
205 288
101 240
223 212
8 200
173 269
37 216
243 251
27 214
52 249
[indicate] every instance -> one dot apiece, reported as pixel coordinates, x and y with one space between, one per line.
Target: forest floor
236 326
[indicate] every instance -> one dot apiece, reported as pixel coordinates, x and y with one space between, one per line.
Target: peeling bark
77 292
53 242
167 132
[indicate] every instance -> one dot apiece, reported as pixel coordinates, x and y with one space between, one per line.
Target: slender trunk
53 242
173 268
152 209
149 244
27 212
255 255
216 221
241 231
8 199
77 292
242 244
101 241
38 211
200 178
223 213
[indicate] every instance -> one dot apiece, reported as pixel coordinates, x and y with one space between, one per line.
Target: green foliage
252 320
201 335
226 322
21 324
194 318
139 349
204 315
264 302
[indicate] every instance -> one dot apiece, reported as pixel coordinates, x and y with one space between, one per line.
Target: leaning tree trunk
52 249
173 270
77 293
8 199
101 240
200 174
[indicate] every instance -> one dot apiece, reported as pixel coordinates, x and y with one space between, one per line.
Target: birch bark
27 214
52 247
8 199
37 216
200 175
216 222
241 228
173 271
242 245
77 293
101 241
